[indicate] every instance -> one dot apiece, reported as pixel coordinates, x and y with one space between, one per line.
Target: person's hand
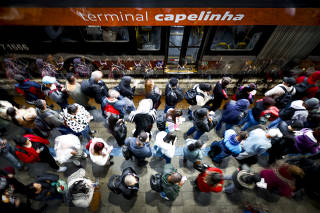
10 175
17 202
74 152
219 185
210 119
38 151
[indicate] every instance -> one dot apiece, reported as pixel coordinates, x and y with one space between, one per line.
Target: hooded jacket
96 90
201 121
301 113
171 190
231 143
30 90
138 151
257 143
305 142
128 192
124 87
233 111
220 94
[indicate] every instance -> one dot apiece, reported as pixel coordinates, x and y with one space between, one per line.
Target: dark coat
219 94
179 93
96 90
128 192
257 110
125 89
201 121
233 111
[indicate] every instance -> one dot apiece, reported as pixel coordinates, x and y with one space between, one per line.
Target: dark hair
39 104
20 141
175 177
213 178
268 101
174 114
316 134
195 145
78 187
11 112
72 108
31 190
98 147
112 120
69 76
205 87
19 78
173 82
169 138
242 135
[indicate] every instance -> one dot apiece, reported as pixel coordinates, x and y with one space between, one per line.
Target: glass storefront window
235 38
148 38
106 34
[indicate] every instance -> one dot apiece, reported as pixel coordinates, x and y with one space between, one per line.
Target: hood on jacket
242 105
297 104
125 81
145 105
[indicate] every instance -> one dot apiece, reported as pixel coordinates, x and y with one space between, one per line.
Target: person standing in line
55 91
173 94
100 152
73 89
220 92
140 147
32 149
171 182
7 152
29 89
95 87
203 98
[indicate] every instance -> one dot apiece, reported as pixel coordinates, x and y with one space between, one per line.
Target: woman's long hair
174 114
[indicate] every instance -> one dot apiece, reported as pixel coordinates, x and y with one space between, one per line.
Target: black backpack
284 100
171 97
155 182
191 95
287 113
120 132
127 154
302 88
161 122
114 183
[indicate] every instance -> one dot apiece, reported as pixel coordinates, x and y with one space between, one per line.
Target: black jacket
201 121
219 94
124 87
118 185
179 93
94 90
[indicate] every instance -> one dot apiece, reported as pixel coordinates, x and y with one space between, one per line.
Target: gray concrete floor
149 201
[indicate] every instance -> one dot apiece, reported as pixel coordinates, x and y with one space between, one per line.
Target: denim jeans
158 153
10 157
198 133
219 125
168 107
249 121
85 133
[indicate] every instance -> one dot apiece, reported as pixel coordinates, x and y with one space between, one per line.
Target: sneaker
111 156
111 163
76 162
62 169
92 132
163 195
84 155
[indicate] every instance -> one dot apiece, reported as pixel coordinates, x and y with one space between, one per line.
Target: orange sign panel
159 16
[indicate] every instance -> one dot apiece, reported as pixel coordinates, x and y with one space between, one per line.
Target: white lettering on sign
14 47
209 16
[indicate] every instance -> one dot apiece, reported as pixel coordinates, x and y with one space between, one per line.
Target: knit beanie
9 170
312 103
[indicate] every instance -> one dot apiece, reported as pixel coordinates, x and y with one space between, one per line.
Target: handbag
202 167
155 182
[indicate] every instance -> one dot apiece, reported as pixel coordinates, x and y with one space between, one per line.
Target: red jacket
311 92
29 155
204 187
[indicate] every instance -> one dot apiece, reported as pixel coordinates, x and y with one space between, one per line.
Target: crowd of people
284 121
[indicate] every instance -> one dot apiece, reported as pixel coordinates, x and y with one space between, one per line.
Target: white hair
145 105
113 93
130 180
96 75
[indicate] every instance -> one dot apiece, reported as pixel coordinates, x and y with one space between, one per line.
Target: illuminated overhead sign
159 16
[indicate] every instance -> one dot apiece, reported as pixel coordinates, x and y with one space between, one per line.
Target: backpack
113 184
155 182
284 100
171 98
302 88
287 113
161 122
126 152
191 95
120 132
41 125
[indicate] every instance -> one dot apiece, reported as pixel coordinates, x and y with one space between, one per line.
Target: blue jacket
140 152
231 143
119 105
233 111
30 89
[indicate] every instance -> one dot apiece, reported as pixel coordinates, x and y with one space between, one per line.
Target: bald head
96 75
175 178
130 180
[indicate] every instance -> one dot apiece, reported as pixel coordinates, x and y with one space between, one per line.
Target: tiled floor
147 201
